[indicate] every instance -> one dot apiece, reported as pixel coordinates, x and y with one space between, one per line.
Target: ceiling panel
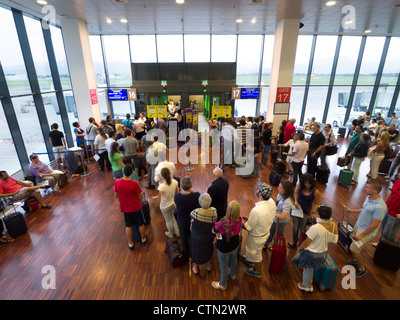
218 16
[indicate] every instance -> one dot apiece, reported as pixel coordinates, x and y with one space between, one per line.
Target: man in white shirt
110 140
258 225
373 127
300 151
139 128
157 149
330 141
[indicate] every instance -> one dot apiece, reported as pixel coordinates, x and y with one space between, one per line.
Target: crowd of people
200 219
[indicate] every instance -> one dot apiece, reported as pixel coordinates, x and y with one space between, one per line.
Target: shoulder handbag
331 150
389 153
371 152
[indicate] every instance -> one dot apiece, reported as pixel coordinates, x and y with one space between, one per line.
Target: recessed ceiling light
123 20
239 20
330 3
253 21
41 2
367 31
180 1
109 20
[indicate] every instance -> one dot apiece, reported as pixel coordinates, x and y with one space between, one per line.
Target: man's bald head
217 172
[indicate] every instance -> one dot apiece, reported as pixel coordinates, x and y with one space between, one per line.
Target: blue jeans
387 224
299 224
278 229
394 165
117 174
264 157
225 260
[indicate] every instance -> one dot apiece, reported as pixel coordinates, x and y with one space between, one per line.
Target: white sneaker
56 189
386 177
155 197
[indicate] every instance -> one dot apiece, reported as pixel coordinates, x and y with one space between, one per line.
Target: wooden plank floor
83 237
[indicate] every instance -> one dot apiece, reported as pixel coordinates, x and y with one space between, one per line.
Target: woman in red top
392 217
130 196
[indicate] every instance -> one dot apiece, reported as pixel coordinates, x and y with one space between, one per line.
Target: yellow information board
221 112
162 111
157 111
189 118
151 111
195 119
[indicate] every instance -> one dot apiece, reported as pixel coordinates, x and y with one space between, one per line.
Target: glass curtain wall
26 132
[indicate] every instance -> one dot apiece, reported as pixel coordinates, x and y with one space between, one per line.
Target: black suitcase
146 210
15 224
387 254
384 167
345 232
280 166
275 178
274 156
323 174
342 132
72 161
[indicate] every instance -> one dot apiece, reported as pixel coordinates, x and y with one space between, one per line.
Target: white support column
286 34
79 57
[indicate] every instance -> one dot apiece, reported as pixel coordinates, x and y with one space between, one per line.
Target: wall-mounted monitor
250 93
117 95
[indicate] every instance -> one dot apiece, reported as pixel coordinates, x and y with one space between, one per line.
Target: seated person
43 173
19 190
394 116
308 126
393 133
379 118
373 128
356 122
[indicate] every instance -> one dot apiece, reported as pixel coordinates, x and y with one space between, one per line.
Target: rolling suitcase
342 132
146 210
274 155
345 177
275 178
326 276
323 175
387 253
384 167
15 224
278 255
345 231
136 233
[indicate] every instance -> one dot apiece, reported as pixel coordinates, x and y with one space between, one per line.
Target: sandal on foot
217 286
194 272
146 238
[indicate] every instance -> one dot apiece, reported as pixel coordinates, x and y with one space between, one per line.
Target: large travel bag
387 253
174 252
63 180
275 178
278 255
323 174
345 177
31 204
345 231
326 276
146 210
341 161
15 224
384 167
